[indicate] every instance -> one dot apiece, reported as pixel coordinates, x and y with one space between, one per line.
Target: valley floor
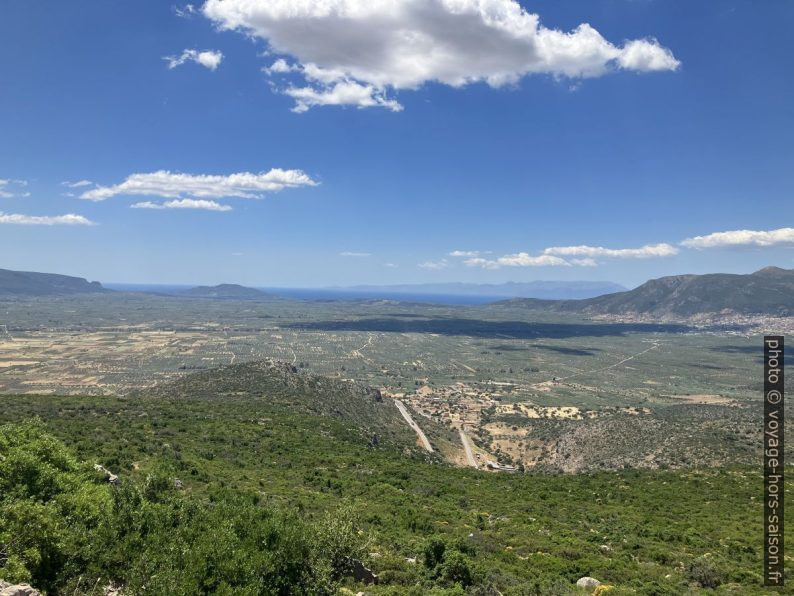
530 390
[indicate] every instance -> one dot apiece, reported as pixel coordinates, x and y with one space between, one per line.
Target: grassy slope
649 532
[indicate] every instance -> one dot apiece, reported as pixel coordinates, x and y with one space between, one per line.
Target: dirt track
413 425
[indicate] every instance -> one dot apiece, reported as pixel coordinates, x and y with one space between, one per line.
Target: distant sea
148 288
322 294
334 294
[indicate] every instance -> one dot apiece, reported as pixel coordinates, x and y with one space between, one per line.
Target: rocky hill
27 283
376 418
769 291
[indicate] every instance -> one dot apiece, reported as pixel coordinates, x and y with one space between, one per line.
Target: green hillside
267 490
270 382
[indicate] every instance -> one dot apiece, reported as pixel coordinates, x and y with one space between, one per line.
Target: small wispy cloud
175 185
280 66
77 184
355 254
70 219
183 204
10 188
342 93
569 256
435 265
584 255
585 262
647 251
210 59
778 237
185 12
464 253
521 259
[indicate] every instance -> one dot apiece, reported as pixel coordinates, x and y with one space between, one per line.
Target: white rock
589 583
7 589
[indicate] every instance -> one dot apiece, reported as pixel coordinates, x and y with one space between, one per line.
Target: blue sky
656 141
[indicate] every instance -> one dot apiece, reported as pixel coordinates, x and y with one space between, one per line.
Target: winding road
404 411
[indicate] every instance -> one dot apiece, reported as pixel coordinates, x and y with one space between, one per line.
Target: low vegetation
67 531
237 494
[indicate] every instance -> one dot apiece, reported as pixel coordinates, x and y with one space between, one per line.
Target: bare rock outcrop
109 476
7 589
588 583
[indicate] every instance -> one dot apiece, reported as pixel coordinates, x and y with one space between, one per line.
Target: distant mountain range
551 290
224 291
27 283
769 291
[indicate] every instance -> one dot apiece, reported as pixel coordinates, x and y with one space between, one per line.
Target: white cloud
585 256
391 265
343 93
646 55
208 58
567 256
70 219
781 236
186 11
355 254
171 185
585 262
352 52
434 265
647 251
281 66
520 259
78 184
10 188
464 253
183 204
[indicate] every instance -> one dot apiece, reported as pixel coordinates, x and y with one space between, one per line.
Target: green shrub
705 572
62 524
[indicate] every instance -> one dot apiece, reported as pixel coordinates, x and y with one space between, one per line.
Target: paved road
467 448
404 411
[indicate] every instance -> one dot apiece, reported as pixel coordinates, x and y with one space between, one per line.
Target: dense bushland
266 489
65 529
